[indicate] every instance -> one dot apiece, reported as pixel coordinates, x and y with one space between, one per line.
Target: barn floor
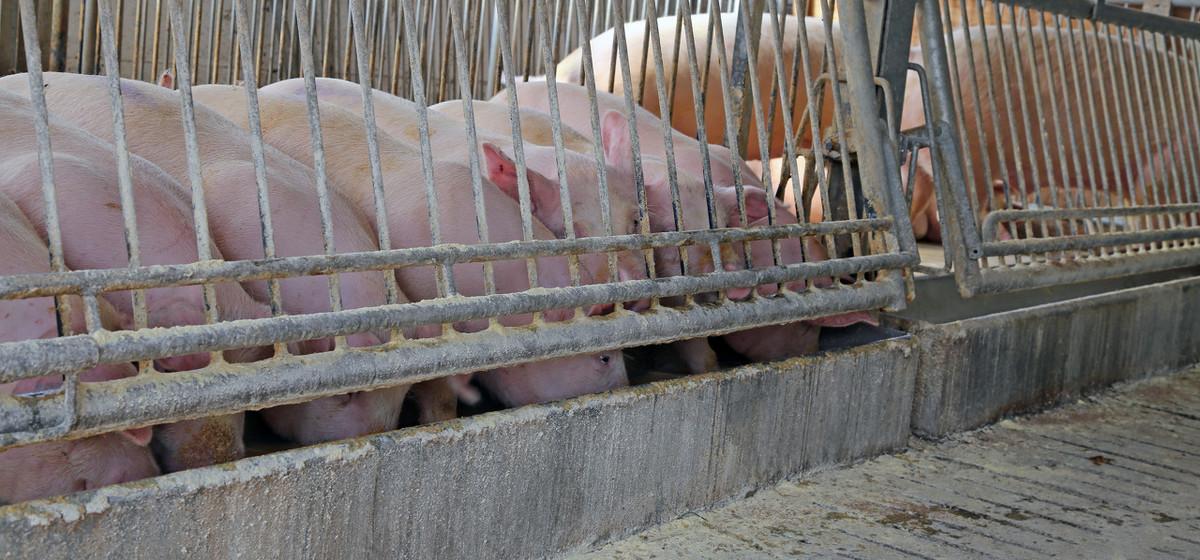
1117 476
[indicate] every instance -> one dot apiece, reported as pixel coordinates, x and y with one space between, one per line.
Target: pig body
398 118
683 109
154 130
48 469
93 238
285 126
575 110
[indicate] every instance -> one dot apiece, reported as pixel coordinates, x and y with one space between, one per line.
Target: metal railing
1066 140
878 248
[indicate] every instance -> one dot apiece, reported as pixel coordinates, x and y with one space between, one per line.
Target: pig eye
604 359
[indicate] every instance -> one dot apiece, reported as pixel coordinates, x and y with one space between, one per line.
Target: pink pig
398 118
93 238
49 469
286 127
154 126
575 111
683 108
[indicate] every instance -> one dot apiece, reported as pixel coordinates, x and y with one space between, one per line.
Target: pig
683 107
697 356
775 342
398 117
93 238
285 125
153 122
575 110
989 113
48 469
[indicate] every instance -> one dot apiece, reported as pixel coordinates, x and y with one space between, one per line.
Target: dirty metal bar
267 229
1056 273
938 72
41 124
183 78
444 274
1078 242
80 281
369 119
882 181
154 399
112 67
993 219
19 360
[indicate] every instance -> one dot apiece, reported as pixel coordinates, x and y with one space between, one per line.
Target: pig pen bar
508 278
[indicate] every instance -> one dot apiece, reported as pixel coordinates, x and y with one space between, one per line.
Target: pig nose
736 294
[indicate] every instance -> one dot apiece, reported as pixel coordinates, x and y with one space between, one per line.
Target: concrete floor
1116 476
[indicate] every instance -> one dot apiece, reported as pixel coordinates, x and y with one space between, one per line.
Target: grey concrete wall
519 483
976 370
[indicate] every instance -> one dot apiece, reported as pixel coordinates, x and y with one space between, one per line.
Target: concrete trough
991 356
511 484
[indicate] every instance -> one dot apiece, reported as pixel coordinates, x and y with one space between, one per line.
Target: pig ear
139 436
502 170
756 204
614 134
167 79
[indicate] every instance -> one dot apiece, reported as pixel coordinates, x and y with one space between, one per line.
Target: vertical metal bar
195 34
1130 56
634 142
41 125
1061 164
756 102
242 18
214 40
731 132
121 148
464 88
445 274
308 69
542 8
318 148
1030 145
939 73
881 181
1161 121
1019 198
1125 136
665 110
139 32
183 78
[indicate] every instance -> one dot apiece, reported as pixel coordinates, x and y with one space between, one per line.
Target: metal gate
1065 139
858 149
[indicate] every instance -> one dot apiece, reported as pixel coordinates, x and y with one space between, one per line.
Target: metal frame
984 265
153 398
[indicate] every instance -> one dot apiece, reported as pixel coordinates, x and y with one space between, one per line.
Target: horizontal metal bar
154 399
1070 8
95 281
1081 242
1126 17
1046 274
31 358
993 219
